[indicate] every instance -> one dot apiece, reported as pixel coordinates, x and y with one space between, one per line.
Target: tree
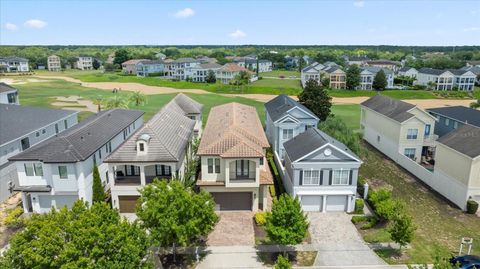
95 64
301 64
353 77
175 215
282 262
316 98
138 98
83 237
337 128
97 188
475 105
242 78
98 101
402 231
110 67
210 78
121 56
380 81
116 102
287 224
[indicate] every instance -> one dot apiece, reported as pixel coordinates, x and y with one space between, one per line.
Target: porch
140 175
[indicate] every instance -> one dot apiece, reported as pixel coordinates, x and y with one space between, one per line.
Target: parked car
466 262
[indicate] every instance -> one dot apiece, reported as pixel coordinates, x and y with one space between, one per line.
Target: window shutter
321 177
330 176
350 180
301 178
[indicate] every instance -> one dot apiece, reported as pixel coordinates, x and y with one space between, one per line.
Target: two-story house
384 64
408 72
181 68
158 149
22 127
285 119
232 154
84 63
13 64
147 68
229 71
452 117
366 80
54 64
446 80
368 73
251 64
59 170
311 72
335 75
130 67
321 172
200 72
8 94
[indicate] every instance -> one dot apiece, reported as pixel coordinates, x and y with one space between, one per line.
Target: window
447 122
217 166
132 170
210 165
133 125
142 146
108 147
12 98
44 131
412 133
378 138
241 168
410 153
65 124
287 134
56 128
29 169
311 177
37 134
37 167
340 177
106 176
62 171
100 153
163 170
261 161
427 129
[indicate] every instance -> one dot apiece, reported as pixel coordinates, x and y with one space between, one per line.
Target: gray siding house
285 119
453 117
321 172
8 94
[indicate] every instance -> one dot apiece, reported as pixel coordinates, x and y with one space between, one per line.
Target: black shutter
330 176
301 178
350 181
321 177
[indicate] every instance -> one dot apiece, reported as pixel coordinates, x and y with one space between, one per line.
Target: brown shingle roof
233 130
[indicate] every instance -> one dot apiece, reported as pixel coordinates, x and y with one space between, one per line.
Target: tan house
53 63
228 72
232 153
130 67
337 77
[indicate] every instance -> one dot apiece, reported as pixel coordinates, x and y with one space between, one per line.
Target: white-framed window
141 146
62 171
287 134
213 163
311 177
410 153
340 177
412 133
33 169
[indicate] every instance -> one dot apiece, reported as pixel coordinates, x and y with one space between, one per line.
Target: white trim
325 192
288 111
341 170
288 116
331 145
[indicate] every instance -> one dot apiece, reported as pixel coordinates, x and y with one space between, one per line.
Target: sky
230 22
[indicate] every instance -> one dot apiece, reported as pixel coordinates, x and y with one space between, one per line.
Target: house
337 77
366 80
54 64
367 77
311 72
180 69
147 68
446 80
160 56
473 69
13 64
229 71
8 94
285 119
159 149
58 171
464 80
332 71
232 154
385 64
206 60
110 58
408 72
84 63
473 63
321 172
452 117
360 61
130 67
22 127
200 72
251 64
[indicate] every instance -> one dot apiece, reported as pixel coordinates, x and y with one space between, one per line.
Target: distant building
181 68
54 64
367 76
13 65
110 59
446 80
227 73
251 64
130 67
160 56
386 64
8 94
408 72
337 77
200 72
360 61
84 63
147 68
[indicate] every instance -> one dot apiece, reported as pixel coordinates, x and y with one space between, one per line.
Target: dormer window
141 146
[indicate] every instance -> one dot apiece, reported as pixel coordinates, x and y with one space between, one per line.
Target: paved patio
233 229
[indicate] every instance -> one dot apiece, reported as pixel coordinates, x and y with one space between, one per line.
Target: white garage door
337 203
312 202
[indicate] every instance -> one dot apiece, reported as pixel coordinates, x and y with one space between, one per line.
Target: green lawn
350 114
278 83
440 226
278 73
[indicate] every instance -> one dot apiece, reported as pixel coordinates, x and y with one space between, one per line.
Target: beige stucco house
233 164
54 64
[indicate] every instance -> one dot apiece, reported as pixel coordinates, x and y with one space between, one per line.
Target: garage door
232 200
312 202
337 203
127 204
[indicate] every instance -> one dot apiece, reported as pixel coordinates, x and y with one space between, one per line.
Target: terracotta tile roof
230 67
266 177
233 130
133 61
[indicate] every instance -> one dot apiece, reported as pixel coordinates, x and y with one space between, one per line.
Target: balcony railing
135 180
242 179
430 138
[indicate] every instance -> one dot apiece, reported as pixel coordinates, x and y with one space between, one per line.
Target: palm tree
98 101
138 98
116 102
475 105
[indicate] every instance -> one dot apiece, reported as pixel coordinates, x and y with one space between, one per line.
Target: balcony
430 139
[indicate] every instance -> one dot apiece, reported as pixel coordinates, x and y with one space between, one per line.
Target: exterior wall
338 80
465 82
15 66
8 179
6 98
54 63
84 63
143 70
445 125
129 69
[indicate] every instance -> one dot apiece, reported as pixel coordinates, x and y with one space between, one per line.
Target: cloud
237 34
359 3
34 23
471 29
184 13
11 26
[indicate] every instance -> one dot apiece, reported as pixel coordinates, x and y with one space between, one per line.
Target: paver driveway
233 229
338 241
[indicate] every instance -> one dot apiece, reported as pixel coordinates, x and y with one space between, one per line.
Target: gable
299 113
327 153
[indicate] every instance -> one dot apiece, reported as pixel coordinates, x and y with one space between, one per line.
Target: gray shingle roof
394 109
465 139
375 69
405 69
431 71
187 104
278 106
170 132
459 113
186 60
309 141
82 140
208 66
6 88
151 62
473 69
17 121
13 58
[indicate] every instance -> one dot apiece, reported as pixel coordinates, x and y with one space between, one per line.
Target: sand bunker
75 103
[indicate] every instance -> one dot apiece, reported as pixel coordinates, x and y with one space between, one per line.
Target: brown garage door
127 204
232 200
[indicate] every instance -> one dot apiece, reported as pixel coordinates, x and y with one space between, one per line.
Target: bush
156 74
371 222
359 204
14 218
261 218
375 197
358 219
360 186
273 193
472 207
282 263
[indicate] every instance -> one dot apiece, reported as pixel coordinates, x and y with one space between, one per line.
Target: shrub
472 207
371 222
261 218
358 219
273 193
282 262
375 197
14 218
359 206
360 186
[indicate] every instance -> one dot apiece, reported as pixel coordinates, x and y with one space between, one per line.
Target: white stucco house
84 63
54 63
446 80
408 72
13 64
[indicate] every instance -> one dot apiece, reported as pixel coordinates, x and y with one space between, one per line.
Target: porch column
349 202
143 182
324 204
227 171
24 202
111 175
265 198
